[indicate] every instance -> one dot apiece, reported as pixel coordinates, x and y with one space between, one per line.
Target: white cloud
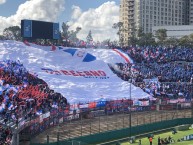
76 12
45 10
2 1
99 21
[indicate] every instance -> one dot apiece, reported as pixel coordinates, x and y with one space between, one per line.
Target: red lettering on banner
88 73
47 71
80 73
74 73
51 72
94 73
56 72
102 73
65 72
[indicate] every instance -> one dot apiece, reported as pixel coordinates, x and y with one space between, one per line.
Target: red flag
26 43
53 48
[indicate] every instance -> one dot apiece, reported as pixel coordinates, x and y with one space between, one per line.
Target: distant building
144 14
175 31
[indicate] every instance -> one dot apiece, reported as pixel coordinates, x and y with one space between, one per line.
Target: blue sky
10 7
96 15
83 4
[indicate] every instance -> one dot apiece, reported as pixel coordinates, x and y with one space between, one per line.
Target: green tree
133 40
110 43
89 37
65 31
2 37
115 43
146 40
106 42
141 40
161 35
73 35
69 35
12 33
120 31
191 39
172 41
185 41
140 33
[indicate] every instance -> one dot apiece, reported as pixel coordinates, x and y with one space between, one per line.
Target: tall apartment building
145 14
191 12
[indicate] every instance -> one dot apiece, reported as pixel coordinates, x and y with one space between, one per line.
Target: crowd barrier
33 127
123 133
56 116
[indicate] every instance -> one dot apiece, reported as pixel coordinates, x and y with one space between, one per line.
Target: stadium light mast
191 94
130 108
58 135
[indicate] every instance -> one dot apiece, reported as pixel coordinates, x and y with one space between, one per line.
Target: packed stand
160 54
23 95
5 135
161 72
168 72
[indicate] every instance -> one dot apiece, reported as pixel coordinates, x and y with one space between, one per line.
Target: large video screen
39 29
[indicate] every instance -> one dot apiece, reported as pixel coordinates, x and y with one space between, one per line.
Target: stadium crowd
161 71
5 135
23 96
160 54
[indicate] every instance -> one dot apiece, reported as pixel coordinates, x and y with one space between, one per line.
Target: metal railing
71 129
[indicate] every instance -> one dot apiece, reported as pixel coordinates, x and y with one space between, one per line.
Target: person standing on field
159 141
150 140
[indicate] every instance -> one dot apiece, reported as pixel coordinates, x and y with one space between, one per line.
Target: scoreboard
39 29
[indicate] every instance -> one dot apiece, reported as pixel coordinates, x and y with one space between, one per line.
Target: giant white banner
78 74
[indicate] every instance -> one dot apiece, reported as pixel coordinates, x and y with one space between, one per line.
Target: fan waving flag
124 55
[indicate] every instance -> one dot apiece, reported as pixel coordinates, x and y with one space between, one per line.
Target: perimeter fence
67 130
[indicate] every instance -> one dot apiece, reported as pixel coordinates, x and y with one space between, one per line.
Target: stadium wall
174 31
124 133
